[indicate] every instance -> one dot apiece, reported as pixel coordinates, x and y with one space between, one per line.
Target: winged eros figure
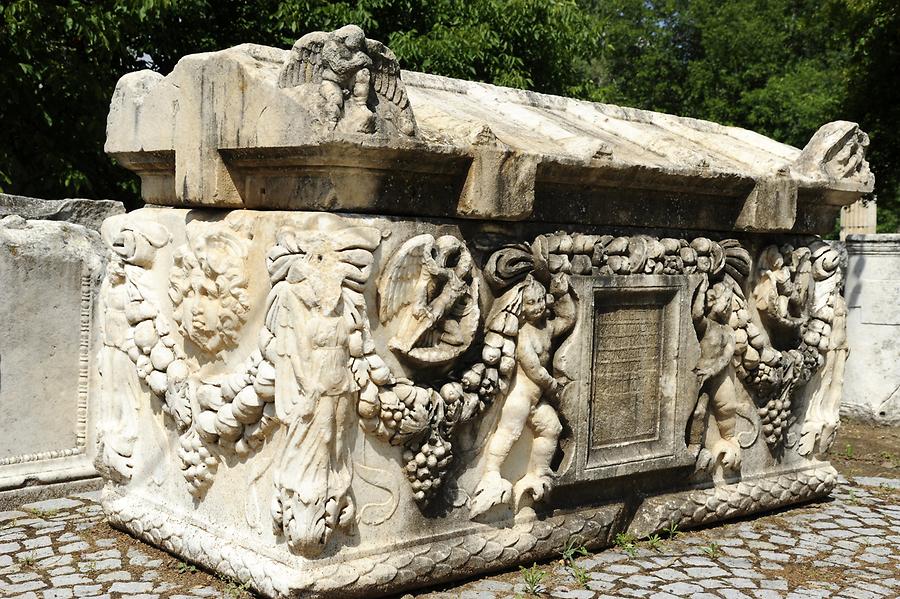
429 297
345 68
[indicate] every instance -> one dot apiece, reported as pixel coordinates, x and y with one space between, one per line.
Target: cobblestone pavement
847 547
63 548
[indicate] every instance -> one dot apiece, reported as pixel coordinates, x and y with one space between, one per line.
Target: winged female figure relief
310 319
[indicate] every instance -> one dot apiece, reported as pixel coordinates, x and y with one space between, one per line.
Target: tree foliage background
780 67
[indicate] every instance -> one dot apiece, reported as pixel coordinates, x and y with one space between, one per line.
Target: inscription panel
626 373
634 398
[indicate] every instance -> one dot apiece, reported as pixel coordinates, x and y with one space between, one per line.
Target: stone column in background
858 218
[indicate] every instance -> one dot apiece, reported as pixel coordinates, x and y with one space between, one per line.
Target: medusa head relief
208 288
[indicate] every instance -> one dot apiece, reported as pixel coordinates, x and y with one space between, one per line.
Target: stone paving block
682 588
600 585
69 579
131 587
73 547
52 505
34 543
113 576
572 594
14 589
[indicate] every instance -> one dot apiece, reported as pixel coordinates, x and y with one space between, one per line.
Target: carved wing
399 281
304 64
387 84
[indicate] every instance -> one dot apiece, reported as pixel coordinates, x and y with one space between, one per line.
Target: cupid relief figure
543 319
343 68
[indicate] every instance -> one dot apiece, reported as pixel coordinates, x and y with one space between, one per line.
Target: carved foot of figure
531 489
728 453
492 490
357 119
817 431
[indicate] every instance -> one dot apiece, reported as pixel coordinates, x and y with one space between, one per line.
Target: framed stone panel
50 273
633 407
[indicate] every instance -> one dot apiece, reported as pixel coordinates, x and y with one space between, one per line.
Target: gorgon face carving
209 288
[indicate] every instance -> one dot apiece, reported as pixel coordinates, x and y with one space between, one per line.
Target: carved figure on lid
353 77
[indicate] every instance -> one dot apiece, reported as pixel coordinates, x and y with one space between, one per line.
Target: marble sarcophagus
380 329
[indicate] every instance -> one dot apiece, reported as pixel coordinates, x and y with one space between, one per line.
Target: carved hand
559 284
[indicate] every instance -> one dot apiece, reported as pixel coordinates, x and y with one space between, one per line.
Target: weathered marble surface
401 372
872 388
50 275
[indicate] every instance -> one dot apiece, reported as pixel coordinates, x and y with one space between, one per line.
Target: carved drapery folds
312 312
470 331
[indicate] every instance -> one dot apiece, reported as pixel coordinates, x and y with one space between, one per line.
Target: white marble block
385 329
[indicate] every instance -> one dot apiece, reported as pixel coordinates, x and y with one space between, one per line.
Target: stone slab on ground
845 547
88 213
50 276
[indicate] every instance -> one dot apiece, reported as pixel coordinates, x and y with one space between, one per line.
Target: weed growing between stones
712 550
27 560
626 542
654 542
182 567
569 554
533 578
